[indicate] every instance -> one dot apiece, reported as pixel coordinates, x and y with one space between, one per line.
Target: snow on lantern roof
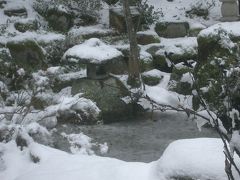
92 51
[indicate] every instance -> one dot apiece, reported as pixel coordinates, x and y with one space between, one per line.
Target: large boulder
146 61
159 60
117 19
144 38
107 94
59 18
111 2
172 29
173 51
152 78
79 35
27 54
54 45
20 11
5 55
195 29
181 79
2 4
26 25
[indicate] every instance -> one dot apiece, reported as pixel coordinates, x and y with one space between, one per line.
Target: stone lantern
94 54
230 10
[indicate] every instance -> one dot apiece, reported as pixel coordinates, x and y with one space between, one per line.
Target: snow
3 87
212 118
148 32
154 73
56 70
232 28
162 96
86 30
82 144
187 77
201 158
178 46
55 164
72 75
197 158
92 51
145 56
176 10
44 37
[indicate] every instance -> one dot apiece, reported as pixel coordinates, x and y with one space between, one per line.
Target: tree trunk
133 63
239 6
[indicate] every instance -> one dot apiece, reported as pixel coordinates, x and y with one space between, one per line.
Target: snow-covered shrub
82 144
148 14
200 9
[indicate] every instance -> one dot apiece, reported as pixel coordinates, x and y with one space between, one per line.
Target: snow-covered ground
196 158
176 10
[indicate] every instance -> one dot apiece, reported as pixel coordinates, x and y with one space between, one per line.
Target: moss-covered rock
59 18
183 56
117 19
172 29
107 94
111 2
16 11
182 178
145 38
27 54
54 48
146 64
79 35
29 25
2 4
180 80
5 55
151 80
161 62
195 31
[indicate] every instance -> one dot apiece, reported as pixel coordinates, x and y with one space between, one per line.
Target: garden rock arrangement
66 63
171 46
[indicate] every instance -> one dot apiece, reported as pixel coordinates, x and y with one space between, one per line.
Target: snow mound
176 10
92 51
55 164
86 30
178 46
164 97
201 158
232 28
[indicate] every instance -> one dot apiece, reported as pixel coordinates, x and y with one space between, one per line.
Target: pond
141 139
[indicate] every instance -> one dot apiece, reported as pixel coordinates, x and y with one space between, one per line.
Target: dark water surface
141 139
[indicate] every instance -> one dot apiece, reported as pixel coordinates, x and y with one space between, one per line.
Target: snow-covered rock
201 158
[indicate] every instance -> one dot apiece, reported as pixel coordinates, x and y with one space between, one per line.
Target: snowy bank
196 158
201 158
